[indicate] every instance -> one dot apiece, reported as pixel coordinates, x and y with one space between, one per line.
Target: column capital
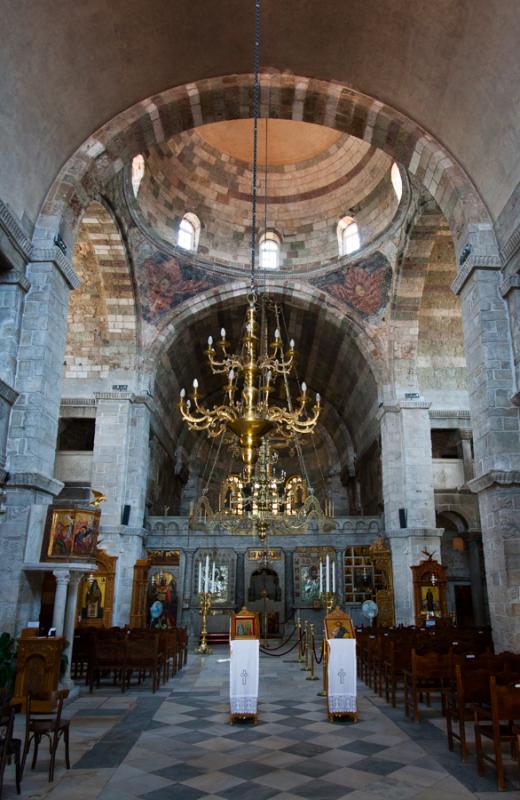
474 263
47 253
494 477
62 576
35 480
465 434
510 283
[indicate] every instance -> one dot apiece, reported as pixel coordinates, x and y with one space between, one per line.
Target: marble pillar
70 623
60 600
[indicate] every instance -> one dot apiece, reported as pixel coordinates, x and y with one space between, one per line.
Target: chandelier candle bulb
195 383
223 334
304 388
183 392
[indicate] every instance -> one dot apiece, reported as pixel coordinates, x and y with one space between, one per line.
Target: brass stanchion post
312 676
305 645
299 640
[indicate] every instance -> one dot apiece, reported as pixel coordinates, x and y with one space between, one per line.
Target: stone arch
285 96
102 321
426 341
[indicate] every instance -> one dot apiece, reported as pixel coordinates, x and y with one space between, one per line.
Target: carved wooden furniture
429 673
50 725
138 610
498 725
429 591
9 747
381 558
37 666
105 577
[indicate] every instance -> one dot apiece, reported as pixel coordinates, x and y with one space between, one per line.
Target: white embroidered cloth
342 692
243 676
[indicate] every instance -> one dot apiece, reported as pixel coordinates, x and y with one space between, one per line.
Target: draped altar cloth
243 676
342 677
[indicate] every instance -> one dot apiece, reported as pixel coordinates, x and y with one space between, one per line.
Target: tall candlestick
200 577
206 575
327 575
212 588
333 577
321 576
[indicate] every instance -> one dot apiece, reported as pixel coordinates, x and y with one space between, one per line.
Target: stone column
240 599
474 539
510 290
408 484
289 582
70 623
33 424
185 600
60 600
496 438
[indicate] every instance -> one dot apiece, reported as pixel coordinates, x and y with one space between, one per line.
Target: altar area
279 579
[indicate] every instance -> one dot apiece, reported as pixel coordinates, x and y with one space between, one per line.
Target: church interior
259 383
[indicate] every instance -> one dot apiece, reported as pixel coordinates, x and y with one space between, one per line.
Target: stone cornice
34 480
78 402
474 263
7 392
15 278
114 396
33 252
14 232
404 533
52 254
511 246
400 405
457 413
495 477
510 283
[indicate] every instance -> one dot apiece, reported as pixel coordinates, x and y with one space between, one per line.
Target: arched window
189 231
397 181
269 250
137 172
348 236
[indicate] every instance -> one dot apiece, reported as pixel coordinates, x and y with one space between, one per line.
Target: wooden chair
144 655
497 724
108 656
10 748
398 660
471 688
49 724
429 674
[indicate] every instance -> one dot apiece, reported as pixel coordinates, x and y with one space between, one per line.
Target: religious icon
70 533
309 583
338 625
430 601
163 601
244 625
61 544
93 599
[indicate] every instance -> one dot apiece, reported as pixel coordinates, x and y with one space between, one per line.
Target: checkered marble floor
178 745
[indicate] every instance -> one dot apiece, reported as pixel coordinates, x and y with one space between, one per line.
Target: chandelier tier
253 375
266 503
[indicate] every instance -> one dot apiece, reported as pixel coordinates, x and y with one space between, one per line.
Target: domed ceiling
309 178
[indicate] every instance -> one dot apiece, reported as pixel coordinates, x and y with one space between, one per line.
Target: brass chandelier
252 377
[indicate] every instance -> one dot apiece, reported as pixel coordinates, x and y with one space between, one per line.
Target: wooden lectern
37 667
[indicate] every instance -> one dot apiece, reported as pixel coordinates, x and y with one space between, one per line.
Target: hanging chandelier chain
256 111
296 440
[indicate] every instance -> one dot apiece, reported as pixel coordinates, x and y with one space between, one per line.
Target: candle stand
205 605
327 601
